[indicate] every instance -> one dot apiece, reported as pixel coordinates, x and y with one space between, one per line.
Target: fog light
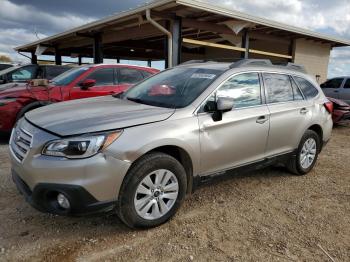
63 201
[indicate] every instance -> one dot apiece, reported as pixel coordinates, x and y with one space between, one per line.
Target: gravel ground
267 215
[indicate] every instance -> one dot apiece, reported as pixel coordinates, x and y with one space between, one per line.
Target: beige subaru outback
141 153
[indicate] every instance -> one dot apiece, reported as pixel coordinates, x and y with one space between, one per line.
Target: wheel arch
180 155
30 106
319 131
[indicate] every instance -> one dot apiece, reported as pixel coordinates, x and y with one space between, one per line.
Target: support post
245 44
58 57
98 49
177 40
118 60
34 59
79 60
149 63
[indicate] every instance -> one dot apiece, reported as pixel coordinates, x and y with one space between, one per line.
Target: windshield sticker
203 76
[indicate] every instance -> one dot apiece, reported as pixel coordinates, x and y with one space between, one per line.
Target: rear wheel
152 192
307 154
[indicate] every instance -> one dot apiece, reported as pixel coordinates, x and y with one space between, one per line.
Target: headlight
80 147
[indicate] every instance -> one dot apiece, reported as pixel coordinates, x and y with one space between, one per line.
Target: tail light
329 106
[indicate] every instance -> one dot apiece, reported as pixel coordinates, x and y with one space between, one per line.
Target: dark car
27 72
338 88
5 66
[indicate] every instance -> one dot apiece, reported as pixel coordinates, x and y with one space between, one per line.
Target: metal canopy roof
77 38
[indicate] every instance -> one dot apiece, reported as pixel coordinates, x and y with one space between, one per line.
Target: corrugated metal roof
193 4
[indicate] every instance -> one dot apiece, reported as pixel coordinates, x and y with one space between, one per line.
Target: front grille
21 141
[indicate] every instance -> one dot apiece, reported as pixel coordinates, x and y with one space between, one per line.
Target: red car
341 111
80 82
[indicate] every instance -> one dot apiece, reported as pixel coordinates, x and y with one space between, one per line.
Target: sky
23 21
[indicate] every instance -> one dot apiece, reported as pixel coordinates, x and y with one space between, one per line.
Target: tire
131 204
296 164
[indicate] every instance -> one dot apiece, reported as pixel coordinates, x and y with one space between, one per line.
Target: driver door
240 137
105 84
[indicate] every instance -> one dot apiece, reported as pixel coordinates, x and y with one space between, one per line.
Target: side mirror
86 84
224 104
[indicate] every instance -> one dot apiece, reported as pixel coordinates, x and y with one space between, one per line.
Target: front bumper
43 198
90 183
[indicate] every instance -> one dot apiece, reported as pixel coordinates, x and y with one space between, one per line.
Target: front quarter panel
177 131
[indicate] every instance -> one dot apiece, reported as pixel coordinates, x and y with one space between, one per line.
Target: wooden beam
252 51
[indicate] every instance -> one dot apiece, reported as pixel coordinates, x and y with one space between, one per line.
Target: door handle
336 91
304 111
262 119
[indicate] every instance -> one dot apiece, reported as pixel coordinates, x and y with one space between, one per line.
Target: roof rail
296 67
251 62
196 62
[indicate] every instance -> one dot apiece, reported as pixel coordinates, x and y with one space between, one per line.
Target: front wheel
152 192
307 154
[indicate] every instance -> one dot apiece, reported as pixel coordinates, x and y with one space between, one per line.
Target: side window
103 77
244 89
53 71
347 84
306 87
24 73
333 83
129 76
278 87
296 91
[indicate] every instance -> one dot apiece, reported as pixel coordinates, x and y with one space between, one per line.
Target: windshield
69 76
173 88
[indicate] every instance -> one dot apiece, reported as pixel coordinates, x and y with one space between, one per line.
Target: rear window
308 89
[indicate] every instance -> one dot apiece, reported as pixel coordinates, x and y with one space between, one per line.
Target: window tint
333 83
24 73
296 91
53 71
347 84
278 87
129 76
243 88
306 87
103 77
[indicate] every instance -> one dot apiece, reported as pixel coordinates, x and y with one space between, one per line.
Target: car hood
95 115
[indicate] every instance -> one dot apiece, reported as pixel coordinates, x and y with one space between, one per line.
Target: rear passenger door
240 137
290 113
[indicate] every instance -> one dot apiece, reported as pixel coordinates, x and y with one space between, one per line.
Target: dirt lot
268 215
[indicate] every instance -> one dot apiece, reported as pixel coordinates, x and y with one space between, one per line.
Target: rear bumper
43 198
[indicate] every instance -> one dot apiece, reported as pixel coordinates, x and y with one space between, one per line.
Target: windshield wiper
119 95
136 100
